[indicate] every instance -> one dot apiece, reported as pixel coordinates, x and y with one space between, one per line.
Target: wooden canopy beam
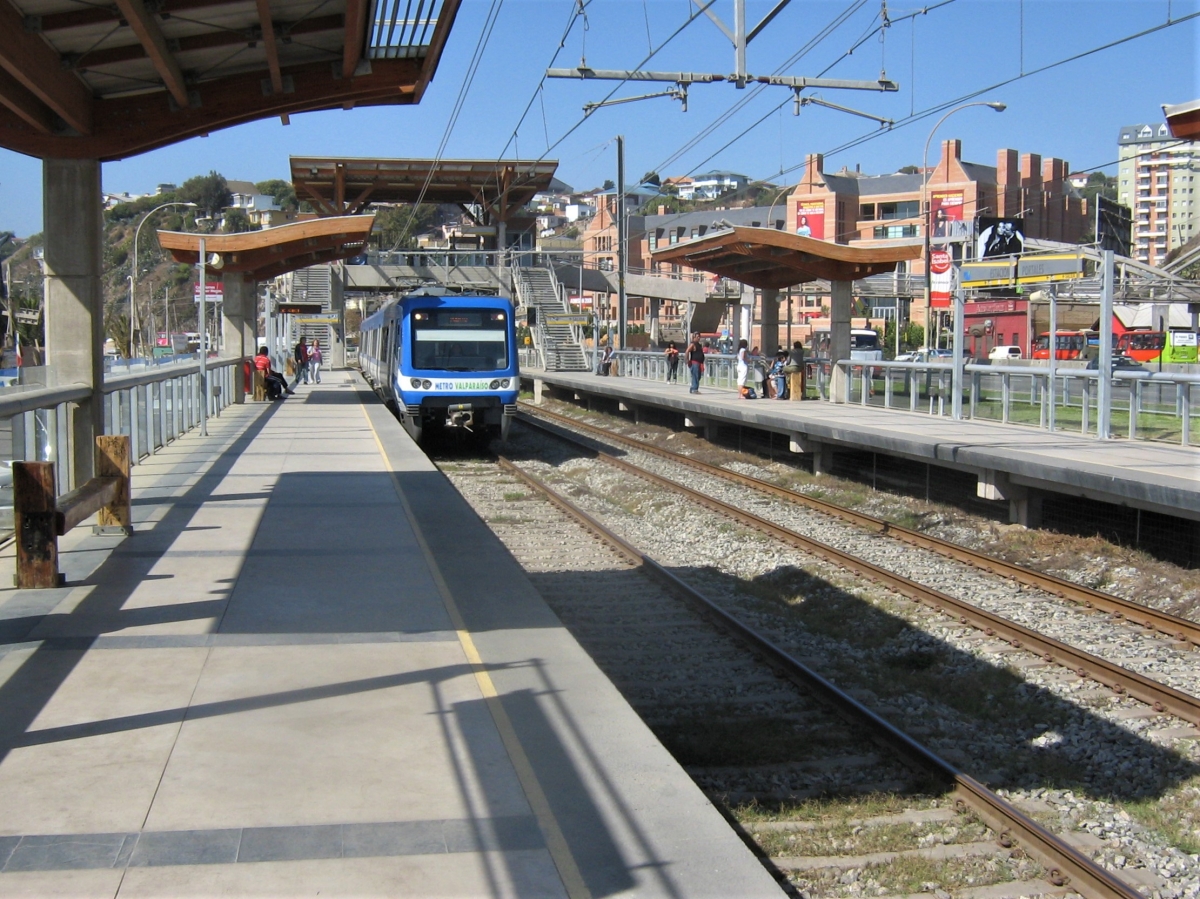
34 64
356 36
107 56
133 124
150 35
17 98
268 38
96 15
360 202
771 259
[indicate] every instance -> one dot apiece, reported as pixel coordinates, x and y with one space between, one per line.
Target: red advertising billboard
946 211
810 219
940 279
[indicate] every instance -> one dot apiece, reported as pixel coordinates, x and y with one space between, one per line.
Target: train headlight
505 382
426 384
416 382
495 385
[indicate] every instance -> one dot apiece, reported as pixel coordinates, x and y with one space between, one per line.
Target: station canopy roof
772 260
1184 120
342 186
261 255
108 79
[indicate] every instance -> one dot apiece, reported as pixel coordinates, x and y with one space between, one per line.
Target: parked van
1004 353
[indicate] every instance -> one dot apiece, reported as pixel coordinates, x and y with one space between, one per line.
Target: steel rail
1180 629
1121 680
1065 865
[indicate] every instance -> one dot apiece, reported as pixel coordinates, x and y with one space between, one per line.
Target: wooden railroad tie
40 518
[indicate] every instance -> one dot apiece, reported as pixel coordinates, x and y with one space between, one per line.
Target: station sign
994 273
564 318
214 292
1010 271
1058 267
299 309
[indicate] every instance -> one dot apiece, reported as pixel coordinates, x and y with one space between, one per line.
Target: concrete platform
1010 461
314 671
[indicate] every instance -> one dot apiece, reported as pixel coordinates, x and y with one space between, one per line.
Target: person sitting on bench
276 385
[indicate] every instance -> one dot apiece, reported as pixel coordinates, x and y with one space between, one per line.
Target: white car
1004 353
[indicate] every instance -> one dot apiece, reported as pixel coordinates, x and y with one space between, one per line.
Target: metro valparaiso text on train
442 360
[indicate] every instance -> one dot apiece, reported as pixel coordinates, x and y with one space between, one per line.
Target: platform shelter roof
111 79
344 186
261 255
1184 120
771 259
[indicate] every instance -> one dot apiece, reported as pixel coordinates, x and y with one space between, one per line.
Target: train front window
459 340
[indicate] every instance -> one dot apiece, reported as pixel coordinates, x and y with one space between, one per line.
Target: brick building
849 207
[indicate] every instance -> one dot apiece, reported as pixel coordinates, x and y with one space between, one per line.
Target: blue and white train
444 360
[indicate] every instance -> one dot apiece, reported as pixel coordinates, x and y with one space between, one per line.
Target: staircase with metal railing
537 288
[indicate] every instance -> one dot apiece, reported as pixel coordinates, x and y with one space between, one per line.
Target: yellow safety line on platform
556 842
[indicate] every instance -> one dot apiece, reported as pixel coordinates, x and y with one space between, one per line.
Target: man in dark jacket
301 359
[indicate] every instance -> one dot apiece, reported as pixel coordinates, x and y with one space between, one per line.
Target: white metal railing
1145 405
152 407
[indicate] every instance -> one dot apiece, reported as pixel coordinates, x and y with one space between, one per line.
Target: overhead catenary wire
481 43
792 60
946 104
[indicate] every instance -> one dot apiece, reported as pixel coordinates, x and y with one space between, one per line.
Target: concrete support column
539 387
655 309
237 308
770 322
840 301
337 305
74 229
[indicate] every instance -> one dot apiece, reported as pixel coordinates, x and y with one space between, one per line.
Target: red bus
1067 345
1150 346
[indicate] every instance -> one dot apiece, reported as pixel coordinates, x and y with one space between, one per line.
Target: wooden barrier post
112 461
36 520
41 517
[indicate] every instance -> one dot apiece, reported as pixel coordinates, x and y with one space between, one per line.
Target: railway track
758 728
1172 626
1123 681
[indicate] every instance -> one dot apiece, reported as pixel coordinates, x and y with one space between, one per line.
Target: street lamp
928 218
134 272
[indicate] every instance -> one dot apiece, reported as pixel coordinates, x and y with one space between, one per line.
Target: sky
1072 73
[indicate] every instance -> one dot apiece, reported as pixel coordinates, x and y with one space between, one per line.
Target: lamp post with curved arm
134 271
956 406
927 216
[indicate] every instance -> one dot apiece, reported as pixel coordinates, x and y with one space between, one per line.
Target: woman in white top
743 367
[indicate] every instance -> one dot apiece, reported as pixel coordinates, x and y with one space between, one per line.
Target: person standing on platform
300 356
778 378
795 371
743 369
672 362
314 362
695 360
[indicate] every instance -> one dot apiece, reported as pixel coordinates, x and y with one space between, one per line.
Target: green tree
397 227
236 222
1099 184
608 184
651 178
209 192
281 192
909 170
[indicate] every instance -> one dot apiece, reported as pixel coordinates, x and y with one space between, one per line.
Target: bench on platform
40 518
260 387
